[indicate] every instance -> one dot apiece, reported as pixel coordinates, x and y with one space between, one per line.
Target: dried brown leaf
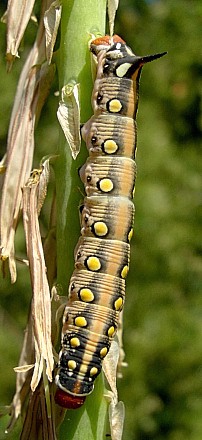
116 409
40 177
19 162
69 117
23 368
50 253
18 16
121 362
116 419
41 301
112 8
38 423
24 376
51 22
29 99
110 364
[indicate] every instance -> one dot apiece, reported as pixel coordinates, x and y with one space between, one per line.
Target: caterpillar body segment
109 135
97 285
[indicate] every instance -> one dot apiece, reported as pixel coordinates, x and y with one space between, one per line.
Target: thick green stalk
79 19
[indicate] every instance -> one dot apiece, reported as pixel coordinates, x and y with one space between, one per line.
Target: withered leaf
51 22
41 301
38 424
69 117
18 15
40 177
23 374
116 419
112 8
29 99
116 409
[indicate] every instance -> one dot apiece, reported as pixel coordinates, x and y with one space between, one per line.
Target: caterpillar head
118 59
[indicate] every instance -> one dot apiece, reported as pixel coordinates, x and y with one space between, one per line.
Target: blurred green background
162 385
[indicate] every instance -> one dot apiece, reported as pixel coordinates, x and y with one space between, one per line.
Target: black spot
88 178
106 68
103 147
99 98
81 126
93 139
66 317
98 185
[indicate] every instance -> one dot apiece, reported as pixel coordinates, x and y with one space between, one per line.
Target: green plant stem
79 19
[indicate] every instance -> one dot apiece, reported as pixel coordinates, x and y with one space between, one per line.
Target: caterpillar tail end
67 400
149 58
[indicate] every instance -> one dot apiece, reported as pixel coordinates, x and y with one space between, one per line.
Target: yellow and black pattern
97 286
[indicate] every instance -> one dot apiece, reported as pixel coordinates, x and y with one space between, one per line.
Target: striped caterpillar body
97 286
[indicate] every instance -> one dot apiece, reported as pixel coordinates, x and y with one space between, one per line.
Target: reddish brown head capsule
106 40
67 400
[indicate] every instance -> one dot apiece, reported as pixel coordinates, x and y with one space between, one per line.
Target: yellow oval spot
123 69
124 271
100 229
134 192
106 185
111 331
118 304
103 352
93 371
80 321
71 365
130 234
110 146
74 342
86 295
93 263
115 106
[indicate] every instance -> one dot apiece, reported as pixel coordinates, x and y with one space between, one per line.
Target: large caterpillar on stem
97 286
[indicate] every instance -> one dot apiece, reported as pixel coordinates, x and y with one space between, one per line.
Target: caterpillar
97 286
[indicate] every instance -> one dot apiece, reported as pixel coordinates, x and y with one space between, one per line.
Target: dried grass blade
69 116
23 378
41 302
116 408
51 22
29 100
112 8
19 163
116 419
18 16
37 424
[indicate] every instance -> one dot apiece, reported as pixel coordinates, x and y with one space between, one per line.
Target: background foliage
162 386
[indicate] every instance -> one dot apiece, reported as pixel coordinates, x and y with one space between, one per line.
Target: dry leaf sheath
41 306
20 147
18 15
